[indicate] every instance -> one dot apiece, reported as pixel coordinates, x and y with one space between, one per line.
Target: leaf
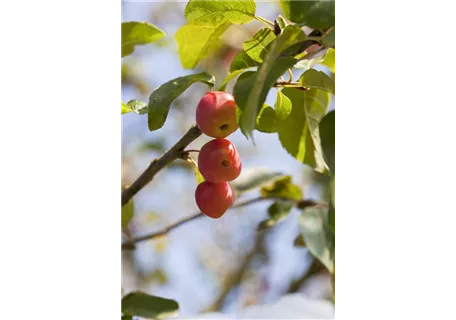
332 185
318 80
138 33
330 60
318 237
332 218
160 100
137 106
327 59
242 61
314 14
157 145
280 209
214 13
327 129
299 133
143 305
242 88
267 120
125 108
277 212
282 188
282 22
257 47
199 177
196 42
330 39
332 204
127 213
282 106
271 69
231 76
252 178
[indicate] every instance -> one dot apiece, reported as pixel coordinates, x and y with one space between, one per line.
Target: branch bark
131 245
158 164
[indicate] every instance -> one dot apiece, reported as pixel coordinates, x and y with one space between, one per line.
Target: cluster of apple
218 160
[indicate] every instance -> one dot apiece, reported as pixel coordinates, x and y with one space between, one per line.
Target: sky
189 282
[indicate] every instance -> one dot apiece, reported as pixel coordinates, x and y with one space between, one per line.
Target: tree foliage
300 117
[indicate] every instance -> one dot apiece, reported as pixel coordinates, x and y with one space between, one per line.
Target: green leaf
231 76
125 108
277 212
242 88
282 106
314 14
327 129
262 83
282 22
282 188
196 42
242 61
252 178
127 213
137 106
332 185
268 72
143 305
330 39
299 133
317 235
318 80
332 205
257 47
199 177
280 209
329 60
214 13
138 33
160 100
267 120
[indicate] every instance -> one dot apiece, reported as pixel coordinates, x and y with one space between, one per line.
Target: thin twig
316 267
131 245
287 84
235 279
158 164
290 80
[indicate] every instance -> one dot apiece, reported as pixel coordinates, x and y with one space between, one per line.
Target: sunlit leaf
138 33
258 46
214 13
318 80
282 188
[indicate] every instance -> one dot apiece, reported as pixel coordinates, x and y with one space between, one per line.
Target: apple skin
213 199
216 114
219 161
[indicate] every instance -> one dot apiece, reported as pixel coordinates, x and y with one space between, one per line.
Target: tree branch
131 245
157 164
316 267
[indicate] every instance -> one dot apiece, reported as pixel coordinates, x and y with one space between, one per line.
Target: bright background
222 264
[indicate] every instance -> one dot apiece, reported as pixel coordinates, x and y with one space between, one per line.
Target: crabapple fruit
213 199
216 114
219 161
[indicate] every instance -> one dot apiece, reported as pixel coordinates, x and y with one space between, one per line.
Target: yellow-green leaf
214 13
138 33
282 188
